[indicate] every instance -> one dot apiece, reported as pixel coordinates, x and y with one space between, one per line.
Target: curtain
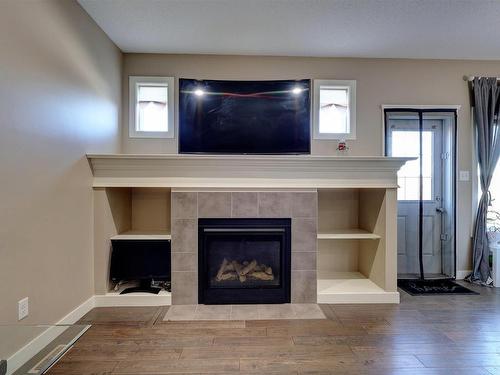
486 103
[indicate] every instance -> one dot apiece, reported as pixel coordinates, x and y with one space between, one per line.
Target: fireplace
244 261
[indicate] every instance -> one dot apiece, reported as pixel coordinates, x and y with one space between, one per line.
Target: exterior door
403 139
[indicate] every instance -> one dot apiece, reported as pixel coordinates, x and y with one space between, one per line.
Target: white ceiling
451 29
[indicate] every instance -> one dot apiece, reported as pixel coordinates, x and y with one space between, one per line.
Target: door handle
440 210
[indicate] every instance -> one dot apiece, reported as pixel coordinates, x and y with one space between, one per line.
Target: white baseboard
78 313
27 352
462 274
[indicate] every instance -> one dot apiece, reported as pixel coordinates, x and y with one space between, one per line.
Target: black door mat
432 287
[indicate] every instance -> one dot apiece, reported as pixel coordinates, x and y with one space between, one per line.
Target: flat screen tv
244 117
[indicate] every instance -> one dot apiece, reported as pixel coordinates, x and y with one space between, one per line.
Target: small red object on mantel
342 146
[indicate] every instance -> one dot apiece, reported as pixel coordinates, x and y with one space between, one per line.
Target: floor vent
46 361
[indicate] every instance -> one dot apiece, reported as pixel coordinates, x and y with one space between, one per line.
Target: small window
334 109
151 107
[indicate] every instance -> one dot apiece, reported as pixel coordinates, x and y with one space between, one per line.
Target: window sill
151 135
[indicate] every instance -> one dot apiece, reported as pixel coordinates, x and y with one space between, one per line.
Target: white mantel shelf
243 171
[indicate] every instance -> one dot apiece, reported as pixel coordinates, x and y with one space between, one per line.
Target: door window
406 143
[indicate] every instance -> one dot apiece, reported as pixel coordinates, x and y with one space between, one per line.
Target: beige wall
379 81
60 93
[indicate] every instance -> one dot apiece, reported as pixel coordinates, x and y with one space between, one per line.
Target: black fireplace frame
263 294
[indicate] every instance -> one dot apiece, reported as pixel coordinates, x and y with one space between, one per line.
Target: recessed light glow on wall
199 92
296 90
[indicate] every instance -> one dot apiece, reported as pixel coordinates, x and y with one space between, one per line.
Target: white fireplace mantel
348 198
243 171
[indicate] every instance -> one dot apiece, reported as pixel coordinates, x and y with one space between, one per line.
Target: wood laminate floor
436 335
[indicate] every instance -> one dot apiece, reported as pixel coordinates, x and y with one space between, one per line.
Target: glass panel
495 189
447 192
56 340
334 110
152 108
494 210
243 260
18 336
406 143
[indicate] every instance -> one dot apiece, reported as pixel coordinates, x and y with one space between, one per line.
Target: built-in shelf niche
352 250
145 213
126 213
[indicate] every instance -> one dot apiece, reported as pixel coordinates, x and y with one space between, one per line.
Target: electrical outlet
23 308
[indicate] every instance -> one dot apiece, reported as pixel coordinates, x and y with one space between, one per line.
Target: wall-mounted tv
244 117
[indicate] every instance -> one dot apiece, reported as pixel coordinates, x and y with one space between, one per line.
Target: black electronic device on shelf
142 260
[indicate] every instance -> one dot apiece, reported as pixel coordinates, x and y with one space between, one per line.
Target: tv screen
244 117
140 260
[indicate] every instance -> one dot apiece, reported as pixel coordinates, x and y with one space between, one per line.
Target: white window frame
350 85
133 83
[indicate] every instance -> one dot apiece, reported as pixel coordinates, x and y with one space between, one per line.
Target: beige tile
214 204
304 260
185 262
275 204
184 288
213 312
180 312
184 236
304 235
244 312
307 311
184 205
244 204
304 287
305 205
276 312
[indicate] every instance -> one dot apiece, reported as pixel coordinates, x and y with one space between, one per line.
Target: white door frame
423 108
456 107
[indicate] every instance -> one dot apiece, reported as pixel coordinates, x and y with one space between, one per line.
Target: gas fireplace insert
244 261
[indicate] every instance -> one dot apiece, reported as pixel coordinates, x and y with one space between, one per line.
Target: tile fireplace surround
188 206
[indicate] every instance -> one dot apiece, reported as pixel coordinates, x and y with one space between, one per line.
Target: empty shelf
352 287
347 234
113 299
